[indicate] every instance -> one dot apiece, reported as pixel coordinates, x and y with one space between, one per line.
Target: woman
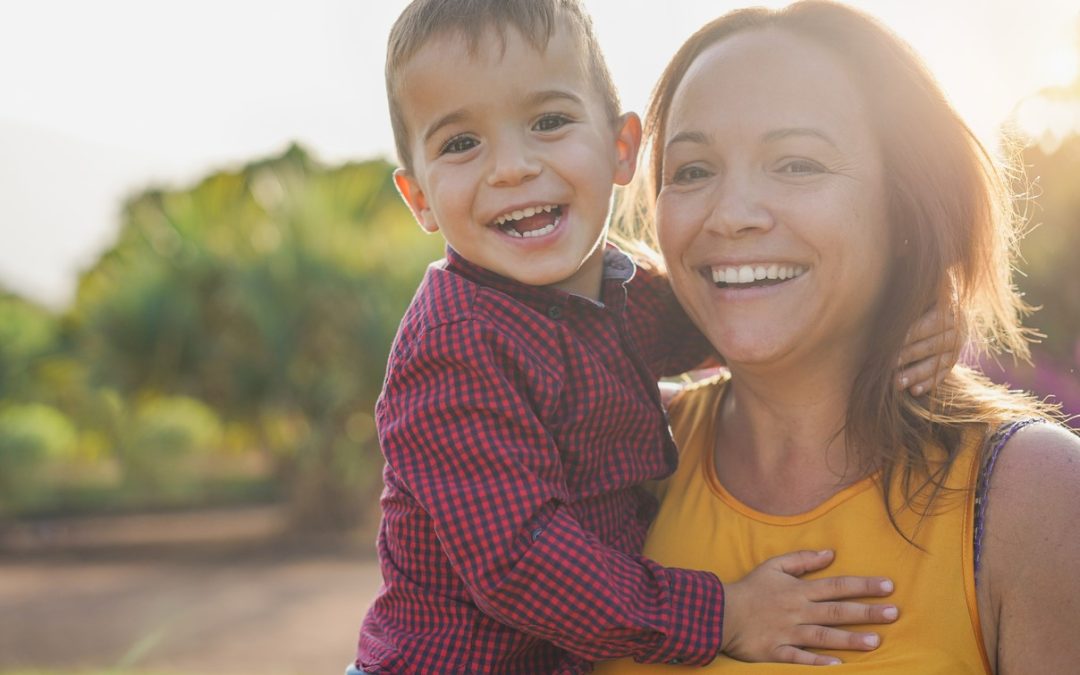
813 192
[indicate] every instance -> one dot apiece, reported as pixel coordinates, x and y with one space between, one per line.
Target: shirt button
675 662
536 533
555 312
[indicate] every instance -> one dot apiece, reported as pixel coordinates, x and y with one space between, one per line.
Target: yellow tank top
700 525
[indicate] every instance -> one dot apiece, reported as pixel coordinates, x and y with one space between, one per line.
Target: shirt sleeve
460 425
667 339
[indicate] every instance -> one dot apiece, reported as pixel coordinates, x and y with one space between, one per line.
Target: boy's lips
531 221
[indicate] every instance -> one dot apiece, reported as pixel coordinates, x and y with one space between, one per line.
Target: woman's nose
738 209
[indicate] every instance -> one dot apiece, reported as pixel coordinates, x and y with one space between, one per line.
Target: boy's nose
513 164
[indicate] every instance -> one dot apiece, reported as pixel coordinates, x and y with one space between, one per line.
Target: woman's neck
780 445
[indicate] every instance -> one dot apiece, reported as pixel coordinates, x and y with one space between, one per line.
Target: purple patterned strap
996 442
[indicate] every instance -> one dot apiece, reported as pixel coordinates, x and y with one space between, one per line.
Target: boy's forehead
490 41
504 54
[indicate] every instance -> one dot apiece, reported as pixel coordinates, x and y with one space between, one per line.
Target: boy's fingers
934 321
930 346
789 654
840 588
823 637
926 374
799 563
850 613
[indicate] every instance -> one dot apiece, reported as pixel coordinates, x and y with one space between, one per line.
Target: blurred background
203 262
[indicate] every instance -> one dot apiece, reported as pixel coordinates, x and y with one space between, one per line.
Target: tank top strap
994 445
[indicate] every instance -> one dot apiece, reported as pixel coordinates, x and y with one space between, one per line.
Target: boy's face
514 157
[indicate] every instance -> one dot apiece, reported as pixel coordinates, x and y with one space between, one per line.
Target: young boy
520 412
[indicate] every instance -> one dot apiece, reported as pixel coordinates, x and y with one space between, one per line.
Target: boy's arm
666 338
458 427
460 430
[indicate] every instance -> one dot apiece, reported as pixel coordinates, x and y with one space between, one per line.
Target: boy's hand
931 350
772 615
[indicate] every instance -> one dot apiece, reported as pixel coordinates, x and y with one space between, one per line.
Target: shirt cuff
696 632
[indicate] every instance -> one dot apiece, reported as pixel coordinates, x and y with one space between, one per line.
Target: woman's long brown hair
954 228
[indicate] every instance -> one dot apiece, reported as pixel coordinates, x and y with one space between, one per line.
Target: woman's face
772 211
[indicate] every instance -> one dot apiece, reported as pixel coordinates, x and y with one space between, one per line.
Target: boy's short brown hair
423 20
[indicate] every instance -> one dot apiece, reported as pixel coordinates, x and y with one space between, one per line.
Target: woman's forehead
766 77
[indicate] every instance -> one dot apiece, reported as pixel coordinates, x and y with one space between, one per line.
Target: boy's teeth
747 274
531 233
527 212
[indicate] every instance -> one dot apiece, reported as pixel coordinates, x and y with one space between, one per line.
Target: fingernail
916 390
834 662
887 586
871 640
824 551
890 613
904 382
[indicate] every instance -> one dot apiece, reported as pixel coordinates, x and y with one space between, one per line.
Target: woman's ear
409 189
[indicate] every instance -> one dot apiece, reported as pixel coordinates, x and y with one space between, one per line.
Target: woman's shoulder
1032 543
1037 460
1035 485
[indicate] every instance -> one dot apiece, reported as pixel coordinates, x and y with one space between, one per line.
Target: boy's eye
551 122
458 144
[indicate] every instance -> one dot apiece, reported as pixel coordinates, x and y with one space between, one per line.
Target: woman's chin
755 349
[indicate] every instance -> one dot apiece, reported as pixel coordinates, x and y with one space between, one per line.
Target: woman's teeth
748 274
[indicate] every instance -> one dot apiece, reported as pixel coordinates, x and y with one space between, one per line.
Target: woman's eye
801 167
458 144
689 174
551 122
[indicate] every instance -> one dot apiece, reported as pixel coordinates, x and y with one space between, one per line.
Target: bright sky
99 100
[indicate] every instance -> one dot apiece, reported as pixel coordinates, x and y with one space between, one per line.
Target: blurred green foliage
252 313
1050 278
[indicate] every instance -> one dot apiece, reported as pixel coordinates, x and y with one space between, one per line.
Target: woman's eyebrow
787 132
696 137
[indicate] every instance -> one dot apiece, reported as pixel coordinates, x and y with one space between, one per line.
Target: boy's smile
513 155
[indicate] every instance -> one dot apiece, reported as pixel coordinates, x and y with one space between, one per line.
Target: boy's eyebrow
540 97
534 99
450 118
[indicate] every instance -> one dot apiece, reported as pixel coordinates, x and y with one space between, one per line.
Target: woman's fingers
841 588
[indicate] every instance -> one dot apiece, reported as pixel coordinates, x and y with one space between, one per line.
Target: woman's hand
773 615
931 350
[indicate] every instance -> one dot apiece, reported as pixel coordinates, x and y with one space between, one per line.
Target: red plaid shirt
517 424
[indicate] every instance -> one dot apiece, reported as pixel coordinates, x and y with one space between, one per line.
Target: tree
271 293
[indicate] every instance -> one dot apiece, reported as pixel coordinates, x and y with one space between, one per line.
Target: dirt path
202 593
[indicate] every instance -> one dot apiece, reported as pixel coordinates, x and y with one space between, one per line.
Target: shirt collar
619 269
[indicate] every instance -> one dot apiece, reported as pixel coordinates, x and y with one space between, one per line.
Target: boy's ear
627 142
413 195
